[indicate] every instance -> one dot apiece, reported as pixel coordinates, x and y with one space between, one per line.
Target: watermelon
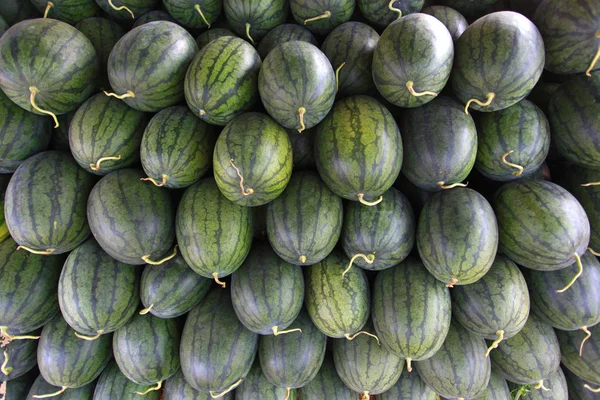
297 85
303 149
171 289
14 11
267 293
410 386
326 385
96 293
282 34
497 306
529 357
158 82
214 234
497 389
194 13
459 369
69 11
382 13
586 365
411 311
338 306
177 145
44 204
469 7
221 82
588 196
151 16
19 388
217 351
22 134
365 366
256 177
440 144
176 388
212 34
255 386
35 63
350 48
555 388
67 361
575 119
358 149
305 222
407 72
571 35
491 78
452 19
253 20
125 10
112 384
18 357
41 388
105 134
579 389
321 16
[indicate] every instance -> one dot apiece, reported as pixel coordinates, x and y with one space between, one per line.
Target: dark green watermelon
252 20
326 385
212 34
45 203
297 85
440 144
178 145
408 72
358 149
410 386
303 149
217 351
176 388
126 10
452 19
19 388
491 78
96 293
338 306
586 365
588 196
305 222
411 311
138 213
113 385
541 225
497 389
469 7
267 292
255 386
571 35
579 389
158 82
69 11
18 357
555 388
221 82
151 16
67 361
382 13
256 177
28 286
457 236
42 388
194 13
459 369
22 134
321 16
39 75
282 34
214 235
14 11
350 48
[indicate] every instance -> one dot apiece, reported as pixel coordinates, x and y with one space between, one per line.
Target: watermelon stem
496 342
337 76
365 395
287 393
126 95
517 166
368 259
90 338
452 282
146 310
216 276
352 337
5 368
152 389
248 33
588 335
46 252
409 364
540 385
277 332
301 112
96 166
590 184
591 389
593 252
394 9
161 184
326 14
45 396
442 185
302 259
33 91
361 198
48 7
245 192
110 3
4 332
147 259
214 394
490 97
588 72
579 272
197 8
410 86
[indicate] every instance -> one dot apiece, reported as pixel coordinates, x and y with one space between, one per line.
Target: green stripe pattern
452 19
186 13
497 389
22 357
261 16
137 7
255 386
114 385
212 34
380 13
41 387
282 34
69 11
176 388
410 386
340 12
327 384
588 197
586 366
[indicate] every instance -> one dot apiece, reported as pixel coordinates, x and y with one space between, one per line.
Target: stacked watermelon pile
303 199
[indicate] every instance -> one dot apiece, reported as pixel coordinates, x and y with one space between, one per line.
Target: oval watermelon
326 385
577 180
69 11
254 19
321 16
382 13
125 10
42 388
18 357
176 388
112 385
410 386
454 21
212 34
586 365
255 386
194 13
282 34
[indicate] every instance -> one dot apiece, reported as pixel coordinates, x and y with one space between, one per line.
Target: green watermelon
588 196
44 204
176 388
491 78
497 389
221 82
411 311
41 388
18 357
113 385
19 388
452 19
326 385
255 386
151 16
67 361
194 13
69 11
96 293
158 82
282 34
125 10
297 85
571 35
574 117
350 48
39 74
459 369
105 135
321 16
407 72
440 144
338 306
305 222
586 365
217 351
177 147
555 388
469 7
14 11
212 34
137 213
303 149
383 13
358 149
267 293
252 160
252 19
22 134
579 389
410 386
